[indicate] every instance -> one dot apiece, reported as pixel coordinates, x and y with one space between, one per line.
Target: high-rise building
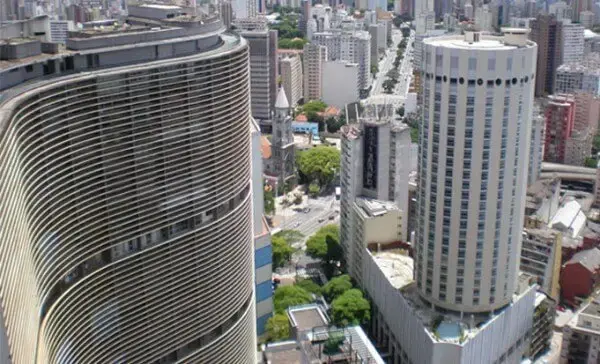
315 57
263 71
536 147
583 76
126 197
561 10
572 42
349 46
546 32
560 120
586 18
340 83
291 79
375 172
478 101
579 6
244 8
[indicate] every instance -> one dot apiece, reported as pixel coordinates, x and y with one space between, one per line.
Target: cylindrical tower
473 147
126 205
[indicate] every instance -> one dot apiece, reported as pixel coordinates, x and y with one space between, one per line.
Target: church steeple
282 106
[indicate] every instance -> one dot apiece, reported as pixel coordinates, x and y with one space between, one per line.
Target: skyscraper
560 120
546 33
478 96
126 196
291 79
314 60
572 42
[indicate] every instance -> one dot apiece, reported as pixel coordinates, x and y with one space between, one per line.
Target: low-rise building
541 257
580 276
581 336
543 325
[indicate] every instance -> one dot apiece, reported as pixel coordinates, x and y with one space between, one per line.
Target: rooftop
307 317
486 43
397 267
373 208
589 65
590 259
569 217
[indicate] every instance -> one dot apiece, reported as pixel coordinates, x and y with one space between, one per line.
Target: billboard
370 141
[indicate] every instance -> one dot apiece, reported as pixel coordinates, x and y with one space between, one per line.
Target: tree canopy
316 245
314 106
291 236
309 285
278 327
336 287
268 200
282 251
296 43
351 308
287 296
319 164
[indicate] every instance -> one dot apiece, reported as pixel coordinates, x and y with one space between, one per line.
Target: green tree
351 308
333 124
596 144
405 32
317 245
336 287
388 86
393 74
309 285
333 343
290 236
591 162
282 251
278 327
288 296
314 106
400 111
374 69
319 164
268 200
314 190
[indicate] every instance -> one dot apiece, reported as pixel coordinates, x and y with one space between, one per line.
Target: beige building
314 58
579 145
291 79
581 336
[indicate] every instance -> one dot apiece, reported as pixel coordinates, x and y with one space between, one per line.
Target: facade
291 79
374 180
263 71
546 32
351 47
536 147
59 30
560 121
561 10
340 83
580 276
583 76
283 157
263 267
572 42
473 179
581 336
315 57
113 204
541 257
543 326
587 19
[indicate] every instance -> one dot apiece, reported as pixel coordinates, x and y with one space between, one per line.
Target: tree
319 164
400 111
596 144
314 190
296 43
336 287
393 74
591 162
316 245
309 286
374 69
288 296
333 124
333 343
351 308
268 200
388 86
282 251
278 327
314 106
405 32
290 236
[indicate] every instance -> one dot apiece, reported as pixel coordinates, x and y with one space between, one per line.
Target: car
331 217
321 219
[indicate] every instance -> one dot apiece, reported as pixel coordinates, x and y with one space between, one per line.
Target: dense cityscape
300 181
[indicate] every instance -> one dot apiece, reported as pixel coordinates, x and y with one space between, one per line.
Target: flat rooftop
397 267
373 208
307 317
486 43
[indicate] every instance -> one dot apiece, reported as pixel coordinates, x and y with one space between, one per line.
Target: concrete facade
292 79
340 83
263 71
315 57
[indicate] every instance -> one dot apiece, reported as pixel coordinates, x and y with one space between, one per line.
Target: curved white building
474 141
125 194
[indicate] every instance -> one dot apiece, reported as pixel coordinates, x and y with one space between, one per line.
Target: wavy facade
125 233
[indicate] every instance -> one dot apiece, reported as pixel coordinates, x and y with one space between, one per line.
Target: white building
536 147
349 46
244 8
59 30
314 60
484 17
291 79
586 18
478 102
582 76
340 83
375 172
561 10
425 21
572 42
581 336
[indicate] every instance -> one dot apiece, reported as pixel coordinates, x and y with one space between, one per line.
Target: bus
338 192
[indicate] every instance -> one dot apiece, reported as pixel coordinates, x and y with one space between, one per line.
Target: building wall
572 43
340 83
314 59
291 79
560 121
575 280
473 171
546 32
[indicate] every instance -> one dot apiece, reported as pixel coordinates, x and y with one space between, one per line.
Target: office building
484 18
581 336
583 76
374 180
578 7
572 42
560 121
126 196
314 59
473 179
244 8
351 47
263 71
561 10
340 83
536 147
291 79
586 18
546 32
263 251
